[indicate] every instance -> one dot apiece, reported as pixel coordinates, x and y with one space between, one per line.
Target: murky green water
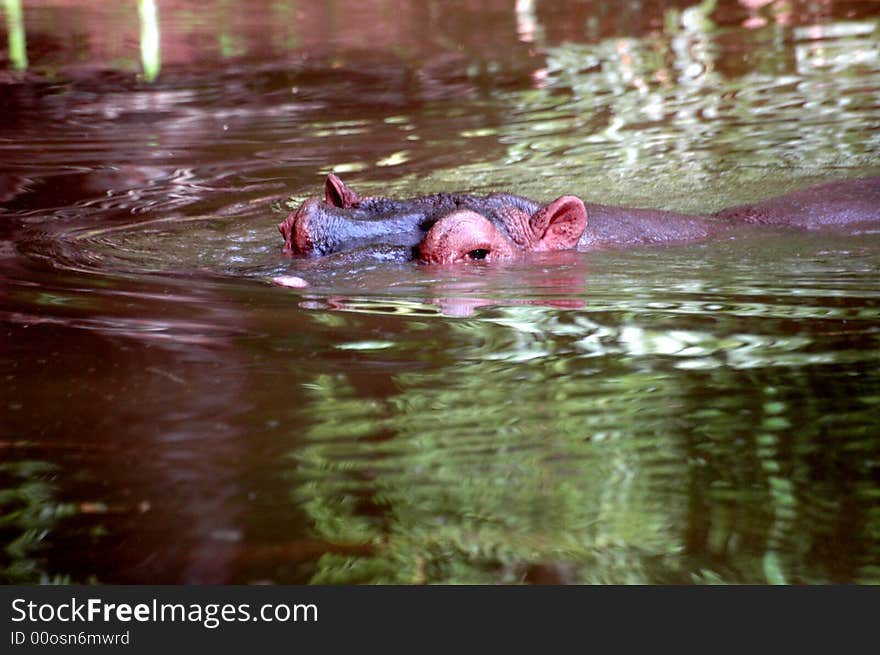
699 413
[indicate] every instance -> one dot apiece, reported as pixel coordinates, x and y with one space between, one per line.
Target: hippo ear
559 225
338 194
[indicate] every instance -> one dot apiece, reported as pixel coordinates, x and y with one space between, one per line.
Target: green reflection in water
485 471
231 44
581 446
28 514
151 58
613 119
15 29
665 102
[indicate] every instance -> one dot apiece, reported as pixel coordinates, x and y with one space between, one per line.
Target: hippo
450 228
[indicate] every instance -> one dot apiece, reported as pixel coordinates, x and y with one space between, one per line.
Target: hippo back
834 204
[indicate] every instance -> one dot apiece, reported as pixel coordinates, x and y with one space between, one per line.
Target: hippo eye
478 253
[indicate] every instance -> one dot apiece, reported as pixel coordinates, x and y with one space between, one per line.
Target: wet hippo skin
448 228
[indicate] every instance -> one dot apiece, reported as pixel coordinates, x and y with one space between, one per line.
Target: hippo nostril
286 229
300 230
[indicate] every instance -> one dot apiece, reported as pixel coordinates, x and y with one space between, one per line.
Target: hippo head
438 229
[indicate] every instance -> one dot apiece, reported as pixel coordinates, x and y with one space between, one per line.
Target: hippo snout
302 229
320 228
286 227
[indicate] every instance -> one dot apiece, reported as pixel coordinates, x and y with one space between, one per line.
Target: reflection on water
30 512
694 414
670 432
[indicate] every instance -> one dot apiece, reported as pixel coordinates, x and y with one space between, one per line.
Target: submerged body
452 228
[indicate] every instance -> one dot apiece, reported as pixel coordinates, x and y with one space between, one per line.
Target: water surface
691 414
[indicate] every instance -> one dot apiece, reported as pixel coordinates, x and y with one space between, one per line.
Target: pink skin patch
462 236
290 281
